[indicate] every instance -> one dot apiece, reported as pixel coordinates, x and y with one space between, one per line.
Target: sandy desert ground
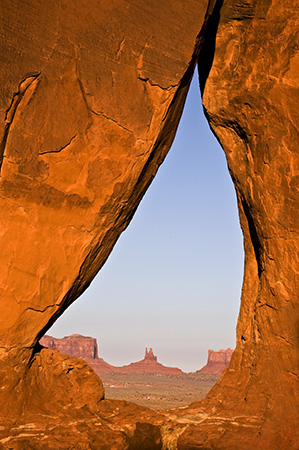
158 391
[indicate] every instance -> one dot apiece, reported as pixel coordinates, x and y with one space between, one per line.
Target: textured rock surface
90 100
89 109
251 98
117 425
82 140
217 361
91 95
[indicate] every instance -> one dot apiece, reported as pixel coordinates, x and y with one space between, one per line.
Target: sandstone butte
217 361
91 96
86 348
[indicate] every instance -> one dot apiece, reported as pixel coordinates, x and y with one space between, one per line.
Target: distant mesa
217 361
86 348
74 345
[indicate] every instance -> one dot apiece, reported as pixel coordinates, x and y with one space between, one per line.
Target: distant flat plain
158 391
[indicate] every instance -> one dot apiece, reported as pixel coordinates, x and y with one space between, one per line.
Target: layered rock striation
217 361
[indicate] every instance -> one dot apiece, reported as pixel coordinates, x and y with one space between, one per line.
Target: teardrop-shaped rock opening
174 278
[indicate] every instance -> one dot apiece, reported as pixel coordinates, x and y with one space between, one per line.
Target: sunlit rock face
251 99
91 94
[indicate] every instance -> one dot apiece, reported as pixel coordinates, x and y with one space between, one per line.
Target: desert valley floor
158 391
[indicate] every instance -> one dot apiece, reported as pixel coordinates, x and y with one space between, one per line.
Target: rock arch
91 99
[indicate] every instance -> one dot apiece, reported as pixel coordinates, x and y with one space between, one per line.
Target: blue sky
173 280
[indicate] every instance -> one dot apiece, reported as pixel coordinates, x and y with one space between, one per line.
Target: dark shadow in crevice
253 235
206 55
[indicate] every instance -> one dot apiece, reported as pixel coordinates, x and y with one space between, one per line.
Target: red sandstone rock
91 95
251 97
89 110
217 361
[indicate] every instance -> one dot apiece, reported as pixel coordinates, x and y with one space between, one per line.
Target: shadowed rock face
91 96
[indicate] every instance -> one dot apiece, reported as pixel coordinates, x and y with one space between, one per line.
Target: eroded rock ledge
91 97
